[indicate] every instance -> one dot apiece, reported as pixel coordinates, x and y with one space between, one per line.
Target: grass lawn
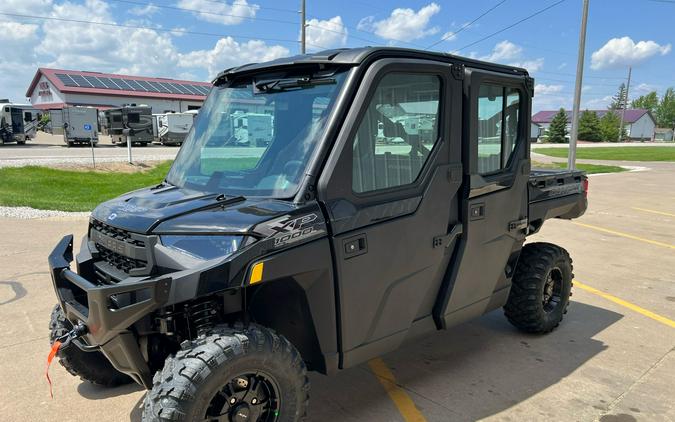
655 153
70 190
588 168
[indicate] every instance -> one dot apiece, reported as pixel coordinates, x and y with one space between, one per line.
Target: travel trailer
18 122
136 118
172 128
78 125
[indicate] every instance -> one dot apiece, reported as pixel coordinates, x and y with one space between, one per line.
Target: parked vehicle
172 128
78 125
220 287
18 122
137 118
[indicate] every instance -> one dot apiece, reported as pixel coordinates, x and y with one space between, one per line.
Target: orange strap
50 358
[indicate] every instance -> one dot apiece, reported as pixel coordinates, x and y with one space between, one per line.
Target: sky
196 39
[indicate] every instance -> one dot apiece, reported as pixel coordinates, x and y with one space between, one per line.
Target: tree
665 112
589 127
619 100
609 126
558 128
646 102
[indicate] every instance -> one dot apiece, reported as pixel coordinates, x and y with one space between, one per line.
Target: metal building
55 88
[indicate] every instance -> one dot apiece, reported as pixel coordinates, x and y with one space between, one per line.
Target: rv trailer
78 125
172 128
18 122
136 118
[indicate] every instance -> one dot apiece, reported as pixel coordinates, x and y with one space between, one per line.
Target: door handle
355 246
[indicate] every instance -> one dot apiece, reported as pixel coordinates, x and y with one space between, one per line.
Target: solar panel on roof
161 87
179 88
67 81
135 84
123 85
200 89
205 89
95 82
147 86
109 83
193 90
80 81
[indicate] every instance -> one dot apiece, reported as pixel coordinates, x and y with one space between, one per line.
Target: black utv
393 200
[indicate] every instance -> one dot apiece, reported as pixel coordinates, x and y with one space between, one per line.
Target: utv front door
390 190
494 211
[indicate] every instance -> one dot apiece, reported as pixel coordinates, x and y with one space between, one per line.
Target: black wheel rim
552 290
249 397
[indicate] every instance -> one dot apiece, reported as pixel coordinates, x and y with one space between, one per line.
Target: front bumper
108 324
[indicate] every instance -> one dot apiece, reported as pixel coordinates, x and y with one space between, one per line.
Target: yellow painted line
401 399
625 304
626 235
667 214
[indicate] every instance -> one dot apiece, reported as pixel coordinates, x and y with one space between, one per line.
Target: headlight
203 247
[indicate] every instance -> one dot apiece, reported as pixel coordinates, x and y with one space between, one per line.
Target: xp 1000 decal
291 229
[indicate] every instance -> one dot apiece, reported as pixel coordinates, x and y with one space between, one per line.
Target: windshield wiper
277 85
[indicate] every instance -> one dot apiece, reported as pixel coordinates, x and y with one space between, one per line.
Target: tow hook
61 343
78 331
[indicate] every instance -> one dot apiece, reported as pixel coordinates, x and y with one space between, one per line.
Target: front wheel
248 375
540 289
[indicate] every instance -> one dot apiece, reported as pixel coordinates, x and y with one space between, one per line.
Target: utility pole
572 156
625 104
302 27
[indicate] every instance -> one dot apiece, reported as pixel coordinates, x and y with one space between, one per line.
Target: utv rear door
390 188
494 206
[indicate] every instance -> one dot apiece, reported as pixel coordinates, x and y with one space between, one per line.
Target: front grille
111 250
119 261
116 233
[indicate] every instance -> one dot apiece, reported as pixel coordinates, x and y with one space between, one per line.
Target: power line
463 27
538 12
593 77
184 9
177 31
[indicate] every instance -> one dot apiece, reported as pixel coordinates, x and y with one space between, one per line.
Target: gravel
27 213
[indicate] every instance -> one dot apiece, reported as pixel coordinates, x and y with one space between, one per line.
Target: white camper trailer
78 125
172 128
18 122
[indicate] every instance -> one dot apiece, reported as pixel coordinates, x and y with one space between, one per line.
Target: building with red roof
56 88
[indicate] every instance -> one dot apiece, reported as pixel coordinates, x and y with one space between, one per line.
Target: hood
174 210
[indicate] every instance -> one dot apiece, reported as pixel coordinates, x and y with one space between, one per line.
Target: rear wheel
89 366
247 375
541 288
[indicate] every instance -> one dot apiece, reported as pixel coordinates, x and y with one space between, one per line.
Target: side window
498 124
397 132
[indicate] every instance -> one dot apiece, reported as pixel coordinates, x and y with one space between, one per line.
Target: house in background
640 124
663 135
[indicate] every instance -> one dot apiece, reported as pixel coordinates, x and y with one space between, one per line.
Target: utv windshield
256 137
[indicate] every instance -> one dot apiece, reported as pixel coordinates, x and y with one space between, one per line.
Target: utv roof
356 56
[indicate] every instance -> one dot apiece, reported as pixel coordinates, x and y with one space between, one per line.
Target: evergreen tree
647 102
609 126
665 112
619 100
558 128
589 127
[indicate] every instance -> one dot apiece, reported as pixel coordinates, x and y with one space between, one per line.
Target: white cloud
326 33
15 31
403 23
24 7
148 10
222 13
620 52
642 89
543 89
227 53
511 54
